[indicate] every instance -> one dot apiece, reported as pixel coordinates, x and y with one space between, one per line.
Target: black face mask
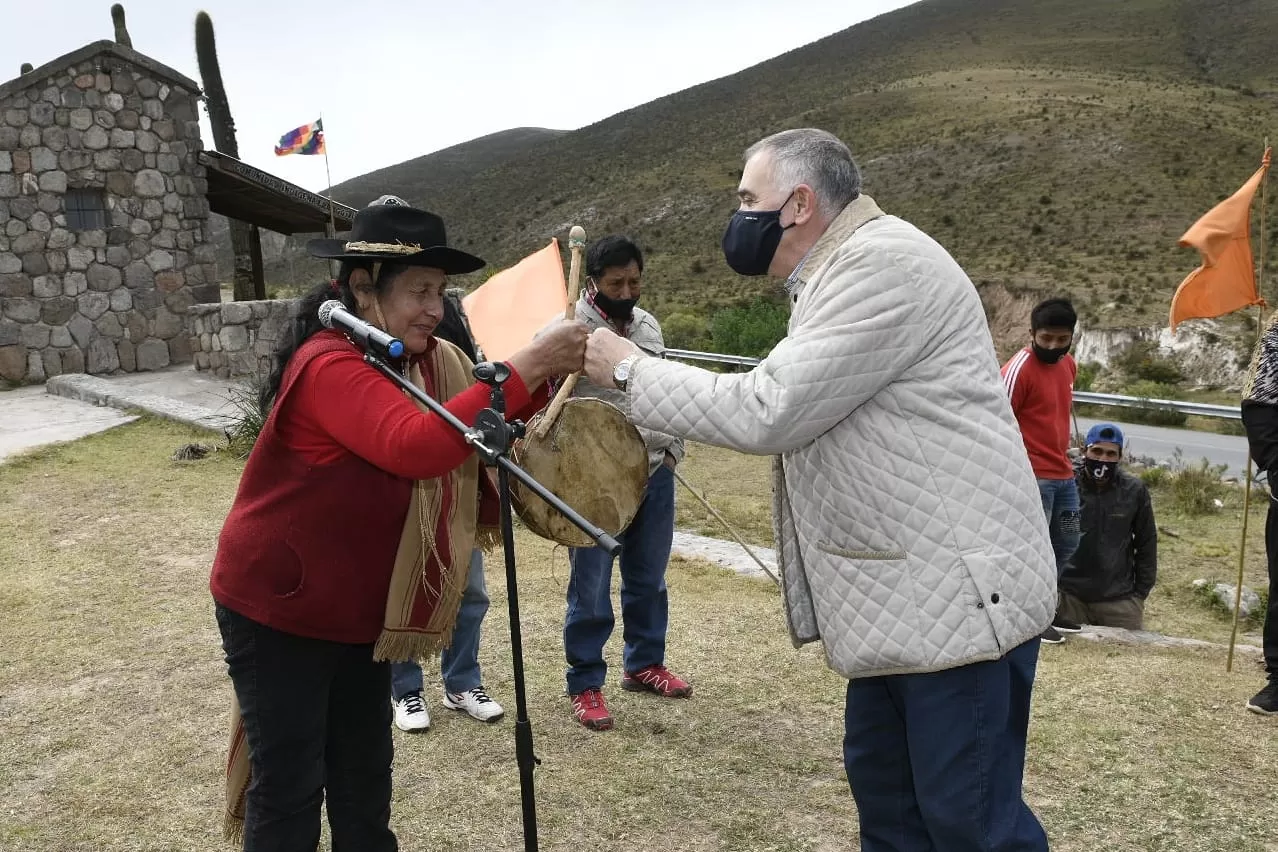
1099 472
752 237
1050 356
621 310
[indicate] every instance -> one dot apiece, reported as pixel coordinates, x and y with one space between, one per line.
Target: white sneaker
410 713
475 702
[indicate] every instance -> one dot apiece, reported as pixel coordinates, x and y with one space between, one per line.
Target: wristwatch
621 372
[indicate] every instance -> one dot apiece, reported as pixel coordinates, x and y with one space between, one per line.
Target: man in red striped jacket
1040 381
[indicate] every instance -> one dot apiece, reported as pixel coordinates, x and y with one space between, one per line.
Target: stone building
105 194
103 215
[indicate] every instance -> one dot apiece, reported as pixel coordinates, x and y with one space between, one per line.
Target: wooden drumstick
576 245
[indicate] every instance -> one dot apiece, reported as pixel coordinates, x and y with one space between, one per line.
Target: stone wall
111 298
236 339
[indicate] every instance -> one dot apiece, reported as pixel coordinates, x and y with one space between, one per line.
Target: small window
86 210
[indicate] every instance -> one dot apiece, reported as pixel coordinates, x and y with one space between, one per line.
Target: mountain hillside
1050 145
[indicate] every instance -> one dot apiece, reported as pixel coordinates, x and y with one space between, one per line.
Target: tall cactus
219 110
121 29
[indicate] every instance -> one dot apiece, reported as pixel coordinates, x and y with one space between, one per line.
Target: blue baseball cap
1106 433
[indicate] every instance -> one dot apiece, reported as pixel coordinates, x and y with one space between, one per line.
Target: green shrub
247 421
1086 377
683 330
1142 361
1196 489
1153 476
751 330
1154 416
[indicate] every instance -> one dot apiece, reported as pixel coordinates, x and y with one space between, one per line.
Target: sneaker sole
1059 641
421 730
638 686
488 719
598 725
1256 708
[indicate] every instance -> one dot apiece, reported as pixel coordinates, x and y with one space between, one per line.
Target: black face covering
752 237
1050 356
1098 471
621 310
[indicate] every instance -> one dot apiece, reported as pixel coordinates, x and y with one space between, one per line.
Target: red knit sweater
310 541
1042 398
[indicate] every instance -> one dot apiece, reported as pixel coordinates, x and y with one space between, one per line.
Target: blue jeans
1060 504
459 663
645 552
935 760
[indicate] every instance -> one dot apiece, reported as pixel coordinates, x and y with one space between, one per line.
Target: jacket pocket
872 555
288 574
866 608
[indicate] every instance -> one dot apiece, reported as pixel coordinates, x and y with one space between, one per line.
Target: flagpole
1260 330
328 174
1264 236
1242 547
332 222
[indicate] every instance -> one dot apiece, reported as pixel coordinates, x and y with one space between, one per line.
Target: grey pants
1128 613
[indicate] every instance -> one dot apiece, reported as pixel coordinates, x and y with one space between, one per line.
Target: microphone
333 314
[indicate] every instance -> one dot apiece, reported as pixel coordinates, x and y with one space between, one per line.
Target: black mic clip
493 433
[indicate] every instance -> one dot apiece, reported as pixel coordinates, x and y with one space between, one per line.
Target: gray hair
817 158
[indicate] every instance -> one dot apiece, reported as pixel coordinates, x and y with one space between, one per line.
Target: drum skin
593 459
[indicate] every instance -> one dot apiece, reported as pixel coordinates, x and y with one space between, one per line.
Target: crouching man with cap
1114 568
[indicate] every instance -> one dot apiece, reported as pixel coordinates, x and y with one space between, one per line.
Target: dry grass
738 486
113 701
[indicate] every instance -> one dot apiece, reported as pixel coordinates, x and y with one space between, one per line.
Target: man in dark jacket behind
1116 563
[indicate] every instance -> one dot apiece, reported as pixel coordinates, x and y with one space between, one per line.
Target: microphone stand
492 437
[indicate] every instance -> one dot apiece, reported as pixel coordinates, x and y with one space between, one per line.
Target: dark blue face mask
752 238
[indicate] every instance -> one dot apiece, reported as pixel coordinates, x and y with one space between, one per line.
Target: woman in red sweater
349 540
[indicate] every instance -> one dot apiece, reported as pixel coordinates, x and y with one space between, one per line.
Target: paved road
1161 443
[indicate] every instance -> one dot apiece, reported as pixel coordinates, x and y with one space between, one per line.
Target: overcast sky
395 80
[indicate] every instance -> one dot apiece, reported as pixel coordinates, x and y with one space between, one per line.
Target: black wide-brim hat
391 233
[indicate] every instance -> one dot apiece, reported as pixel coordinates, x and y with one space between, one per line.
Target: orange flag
516 303
1226 280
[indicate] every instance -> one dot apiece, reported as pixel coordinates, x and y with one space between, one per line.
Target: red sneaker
591 711
658 679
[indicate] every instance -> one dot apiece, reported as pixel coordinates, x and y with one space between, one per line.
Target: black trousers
317 718
1271 553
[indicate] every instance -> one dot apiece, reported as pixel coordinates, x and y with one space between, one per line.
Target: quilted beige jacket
909 528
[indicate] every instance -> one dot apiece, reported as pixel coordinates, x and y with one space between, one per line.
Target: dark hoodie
1118 554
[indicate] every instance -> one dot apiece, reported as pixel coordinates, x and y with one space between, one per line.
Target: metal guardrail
1200 409
691 355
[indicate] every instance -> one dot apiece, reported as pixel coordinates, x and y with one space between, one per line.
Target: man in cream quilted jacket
910 536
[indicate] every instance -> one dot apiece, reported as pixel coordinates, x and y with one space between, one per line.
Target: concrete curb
726 554
98 391
1149 639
